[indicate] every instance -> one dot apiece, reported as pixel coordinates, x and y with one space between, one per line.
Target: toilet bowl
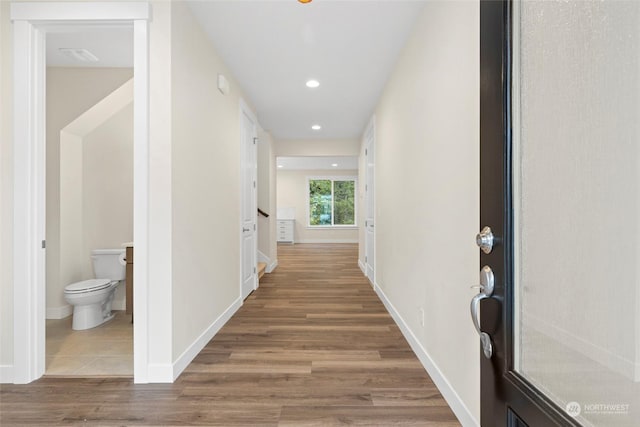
91 299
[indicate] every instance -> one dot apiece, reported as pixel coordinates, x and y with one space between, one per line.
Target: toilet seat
91 285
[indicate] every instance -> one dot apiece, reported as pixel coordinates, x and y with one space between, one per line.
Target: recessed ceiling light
335 165
280 166
313 84
80 55
304 1
316 127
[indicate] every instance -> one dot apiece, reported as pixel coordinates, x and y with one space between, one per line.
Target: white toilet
91 299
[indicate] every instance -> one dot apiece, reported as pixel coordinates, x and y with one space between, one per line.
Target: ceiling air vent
80 55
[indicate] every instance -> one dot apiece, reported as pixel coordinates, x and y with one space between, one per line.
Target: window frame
333 178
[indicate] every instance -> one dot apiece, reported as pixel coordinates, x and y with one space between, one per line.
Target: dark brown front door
559 114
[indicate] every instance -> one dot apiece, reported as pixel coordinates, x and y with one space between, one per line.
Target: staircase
262 266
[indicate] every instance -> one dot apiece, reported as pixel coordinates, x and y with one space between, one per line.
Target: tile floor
106 350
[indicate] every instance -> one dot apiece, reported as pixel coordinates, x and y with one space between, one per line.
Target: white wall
267 240
427 196
159 361
70 93
205 186
107 185
292 193
317 147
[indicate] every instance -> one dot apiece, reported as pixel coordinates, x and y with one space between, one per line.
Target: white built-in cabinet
285 229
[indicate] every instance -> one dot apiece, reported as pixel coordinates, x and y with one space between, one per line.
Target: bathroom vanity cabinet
129 281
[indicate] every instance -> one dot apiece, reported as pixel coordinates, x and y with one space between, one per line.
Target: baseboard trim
363 268
190 353
263 258
6 374
159 373
327 241
456 404
59 312
272 266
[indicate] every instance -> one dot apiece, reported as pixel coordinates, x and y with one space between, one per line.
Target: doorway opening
32 22
89 199
318 199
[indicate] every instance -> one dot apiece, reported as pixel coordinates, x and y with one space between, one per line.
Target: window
332 202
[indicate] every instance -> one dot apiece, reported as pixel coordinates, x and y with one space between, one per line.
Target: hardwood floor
313 346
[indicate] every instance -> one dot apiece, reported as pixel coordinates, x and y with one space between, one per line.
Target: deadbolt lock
484 240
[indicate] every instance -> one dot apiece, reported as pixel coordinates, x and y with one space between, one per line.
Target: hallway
312 346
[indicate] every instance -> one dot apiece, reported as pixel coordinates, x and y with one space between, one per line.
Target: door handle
487 282
244 230
475 315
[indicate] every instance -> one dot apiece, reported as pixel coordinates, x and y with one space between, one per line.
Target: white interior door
370 203
249 202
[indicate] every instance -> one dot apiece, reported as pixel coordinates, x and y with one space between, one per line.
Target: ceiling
112 45
317 163
274 47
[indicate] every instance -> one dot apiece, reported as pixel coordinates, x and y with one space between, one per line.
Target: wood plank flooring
313 346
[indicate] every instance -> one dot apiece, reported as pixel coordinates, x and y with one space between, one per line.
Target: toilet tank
109 263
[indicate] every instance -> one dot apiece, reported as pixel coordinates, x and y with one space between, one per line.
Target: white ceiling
113 46
273 47
317 163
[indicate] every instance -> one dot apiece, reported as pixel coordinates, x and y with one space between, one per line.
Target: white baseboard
160 373
263 258
59 312
190 353
6 374
270 265
327 241
363 268
458 407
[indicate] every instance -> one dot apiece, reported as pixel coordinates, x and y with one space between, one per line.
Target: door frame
504 394
30 24
370 132
246 111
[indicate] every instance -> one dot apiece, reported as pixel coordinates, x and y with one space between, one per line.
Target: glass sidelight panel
576 173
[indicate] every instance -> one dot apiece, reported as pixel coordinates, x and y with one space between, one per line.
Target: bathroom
89 200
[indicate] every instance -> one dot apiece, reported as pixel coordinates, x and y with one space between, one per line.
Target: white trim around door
248 200
31 22
370 202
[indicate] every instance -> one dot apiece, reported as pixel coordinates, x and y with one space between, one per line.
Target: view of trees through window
332 202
